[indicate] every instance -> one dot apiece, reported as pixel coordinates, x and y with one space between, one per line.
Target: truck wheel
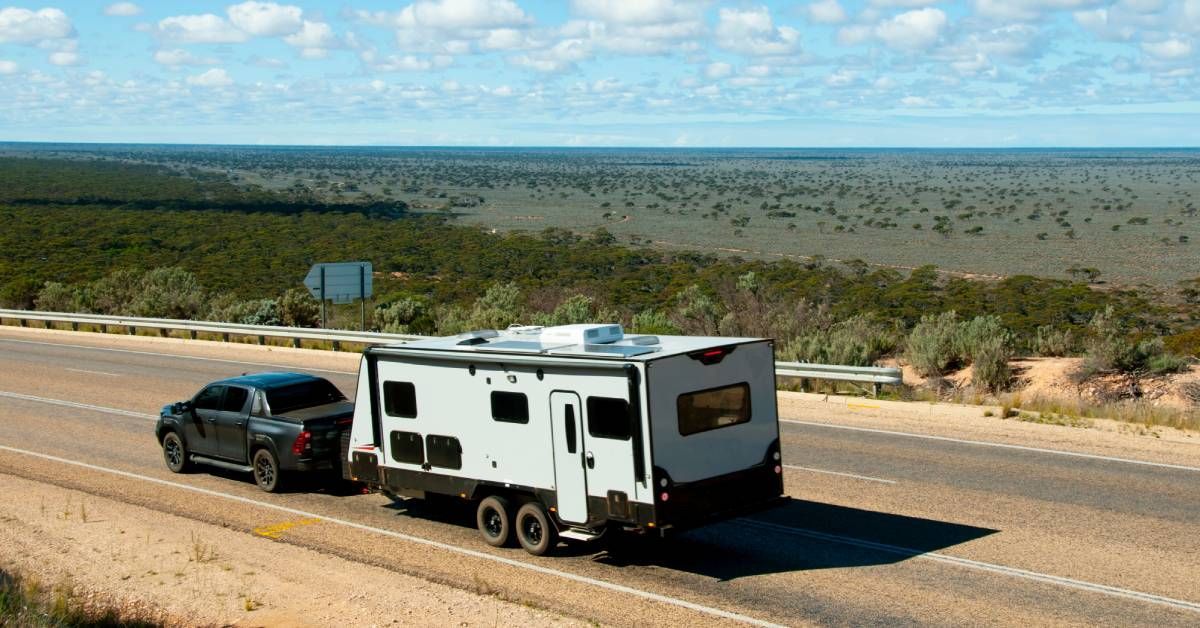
494 519
174 453
535 531
266 471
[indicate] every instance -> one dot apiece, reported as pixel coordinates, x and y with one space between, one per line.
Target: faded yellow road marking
862 405
274 531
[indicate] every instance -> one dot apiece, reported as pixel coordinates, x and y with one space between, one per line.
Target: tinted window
209 398
705 410
400 399
407 447
235 399
510 407
444 451
608 417
302 395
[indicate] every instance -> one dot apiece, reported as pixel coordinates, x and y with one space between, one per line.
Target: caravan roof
571 341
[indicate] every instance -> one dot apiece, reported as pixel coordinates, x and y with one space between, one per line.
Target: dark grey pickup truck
265 424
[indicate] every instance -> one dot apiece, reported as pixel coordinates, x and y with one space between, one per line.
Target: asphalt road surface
878 528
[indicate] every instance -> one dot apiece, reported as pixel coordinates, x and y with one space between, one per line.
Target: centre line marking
82 406
177 356
841 473
93 372
1040 450
1015 572
566 575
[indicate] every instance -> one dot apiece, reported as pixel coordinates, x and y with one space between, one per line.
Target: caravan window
400 399
714 408
510 407
608 418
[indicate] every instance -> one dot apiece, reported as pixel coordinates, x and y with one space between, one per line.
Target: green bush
576 309
696 313
1052 342
404 316
250 312
652 322
1110 349
114 293
169 292
990 370
298 308
859 341
931 346
57 297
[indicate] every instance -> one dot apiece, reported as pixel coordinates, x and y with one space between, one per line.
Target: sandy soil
201 574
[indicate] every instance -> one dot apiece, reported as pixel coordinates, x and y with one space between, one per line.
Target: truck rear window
714 408
302 395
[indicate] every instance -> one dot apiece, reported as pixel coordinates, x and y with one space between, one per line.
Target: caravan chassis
691 504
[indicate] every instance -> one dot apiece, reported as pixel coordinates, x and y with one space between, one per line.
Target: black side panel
444 451
428 482
635 425
373 381
364 467
407 447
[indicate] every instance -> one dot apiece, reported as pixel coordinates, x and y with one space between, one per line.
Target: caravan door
570 479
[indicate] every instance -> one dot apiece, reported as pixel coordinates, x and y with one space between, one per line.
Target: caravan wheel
494 520
535 531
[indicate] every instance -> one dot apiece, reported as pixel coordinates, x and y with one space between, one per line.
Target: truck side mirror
182 407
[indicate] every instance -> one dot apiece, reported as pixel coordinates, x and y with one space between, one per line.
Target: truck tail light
303 443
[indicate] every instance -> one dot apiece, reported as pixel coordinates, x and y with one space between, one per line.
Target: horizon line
600 146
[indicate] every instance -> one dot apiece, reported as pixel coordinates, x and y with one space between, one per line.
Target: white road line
94 372
1040 450
180 357
82 406
1024 574
848 475
566 575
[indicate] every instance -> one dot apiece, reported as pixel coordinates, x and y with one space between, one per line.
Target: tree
297 308
169 292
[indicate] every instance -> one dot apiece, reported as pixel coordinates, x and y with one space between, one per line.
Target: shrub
1167 363
114 293
252 312
990 362
403 316
931 344
1109 349
858 341
298 308
1184 343
696 313
652 322
169 292
975 334
57 297
1051 342
576 309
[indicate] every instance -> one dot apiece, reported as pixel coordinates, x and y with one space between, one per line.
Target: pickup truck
265 423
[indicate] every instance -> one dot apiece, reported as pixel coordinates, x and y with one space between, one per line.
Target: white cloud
717 70
8 67
461 14
403 63
178 56
906 4
826 12
638 12
913 30
64 58
853 35
1028 10
216 77
122 9
1169 49
200 29
313 36
916 101
265 19
753 32
560 57
23 26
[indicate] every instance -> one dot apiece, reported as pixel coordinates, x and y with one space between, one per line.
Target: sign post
341 282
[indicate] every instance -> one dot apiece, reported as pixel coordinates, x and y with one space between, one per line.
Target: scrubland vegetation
170 240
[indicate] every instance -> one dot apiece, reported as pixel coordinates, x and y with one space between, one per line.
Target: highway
878 528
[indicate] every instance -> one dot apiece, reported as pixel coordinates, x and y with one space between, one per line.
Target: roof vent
477 337
583 334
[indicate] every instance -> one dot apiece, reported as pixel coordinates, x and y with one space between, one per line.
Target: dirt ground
201 574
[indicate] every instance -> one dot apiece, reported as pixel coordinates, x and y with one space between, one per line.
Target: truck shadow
797 535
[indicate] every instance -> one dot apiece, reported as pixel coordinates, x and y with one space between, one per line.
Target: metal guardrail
225 330
875 376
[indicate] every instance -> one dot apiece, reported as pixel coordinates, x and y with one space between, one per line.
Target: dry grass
27 602
1136 412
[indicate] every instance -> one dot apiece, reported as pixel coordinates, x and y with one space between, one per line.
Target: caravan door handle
591 460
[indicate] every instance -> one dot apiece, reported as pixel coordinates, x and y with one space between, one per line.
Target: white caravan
568 431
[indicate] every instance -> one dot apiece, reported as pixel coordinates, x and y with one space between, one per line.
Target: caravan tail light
303 443
711 356
664 497
778 469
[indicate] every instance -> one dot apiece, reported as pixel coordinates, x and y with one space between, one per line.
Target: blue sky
604 72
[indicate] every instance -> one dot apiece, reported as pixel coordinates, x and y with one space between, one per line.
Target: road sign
343 282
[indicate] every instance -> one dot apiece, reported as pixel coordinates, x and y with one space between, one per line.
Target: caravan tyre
494 519
535 531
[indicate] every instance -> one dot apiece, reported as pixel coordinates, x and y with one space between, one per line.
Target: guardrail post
262 340
875 389
162 332
337 345
296 343
225 337
192 334
22 322
131 330
74 326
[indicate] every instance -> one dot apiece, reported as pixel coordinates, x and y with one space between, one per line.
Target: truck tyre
535 531
266 471
494 518
175 454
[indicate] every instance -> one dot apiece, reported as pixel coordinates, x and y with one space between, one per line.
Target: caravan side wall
723 449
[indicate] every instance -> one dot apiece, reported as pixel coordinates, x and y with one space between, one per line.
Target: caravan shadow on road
797 535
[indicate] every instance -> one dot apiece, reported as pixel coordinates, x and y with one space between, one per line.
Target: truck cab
265 424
